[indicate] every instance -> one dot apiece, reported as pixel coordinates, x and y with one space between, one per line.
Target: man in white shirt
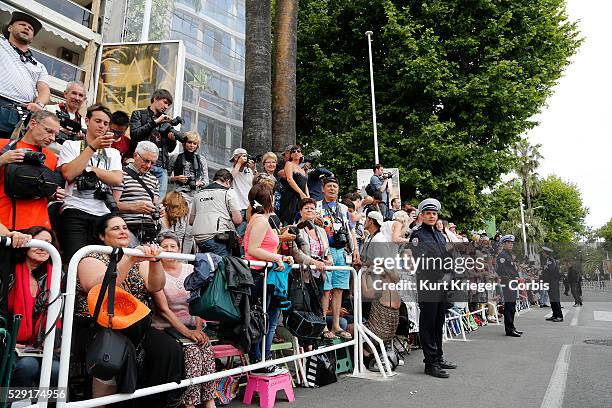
90 167
243 172
24 81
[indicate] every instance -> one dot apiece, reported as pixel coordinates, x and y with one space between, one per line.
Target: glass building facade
213 32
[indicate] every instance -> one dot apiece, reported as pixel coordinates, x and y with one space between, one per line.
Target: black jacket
429 245
143 127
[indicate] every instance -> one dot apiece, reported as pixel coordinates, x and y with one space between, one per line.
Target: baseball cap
237 152
376 216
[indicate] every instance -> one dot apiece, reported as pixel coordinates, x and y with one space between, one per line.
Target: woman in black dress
297 186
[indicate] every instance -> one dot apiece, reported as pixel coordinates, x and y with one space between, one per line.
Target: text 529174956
12 394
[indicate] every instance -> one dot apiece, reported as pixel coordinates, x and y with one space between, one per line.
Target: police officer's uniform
506 269
429 243
552 276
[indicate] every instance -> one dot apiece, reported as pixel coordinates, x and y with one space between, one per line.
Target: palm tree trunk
528 192
284 86
257 117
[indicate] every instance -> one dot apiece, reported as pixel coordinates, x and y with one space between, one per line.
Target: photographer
120 123
154 125
25 81
25 213
190 173
90 167
215 215
310 246
138 196
243 172
380 182
72 124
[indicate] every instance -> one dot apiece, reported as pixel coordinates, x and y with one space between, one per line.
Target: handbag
215 301
111 351
304 320
321 369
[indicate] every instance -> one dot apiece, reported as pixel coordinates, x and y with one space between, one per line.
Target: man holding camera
243 172
138 197
42 130
380 182
90 167
341 237
215 215
72 124
24 81
154 125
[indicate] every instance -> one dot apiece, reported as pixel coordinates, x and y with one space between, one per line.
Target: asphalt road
551 366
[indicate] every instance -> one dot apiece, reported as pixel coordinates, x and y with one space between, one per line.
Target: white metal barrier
361 334
54 310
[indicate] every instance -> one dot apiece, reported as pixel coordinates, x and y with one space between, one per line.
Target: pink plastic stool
267 388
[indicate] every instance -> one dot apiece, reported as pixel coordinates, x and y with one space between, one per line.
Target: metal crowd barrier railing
362 334
54 310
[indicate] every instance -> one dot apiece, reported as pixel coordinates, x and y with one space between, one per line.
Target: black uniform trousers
554 292
509 309
432 305
576 292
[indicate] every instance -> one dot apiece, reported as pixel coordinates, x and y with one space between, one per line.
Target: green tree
257 116
456 87
562 209
606 231
528 160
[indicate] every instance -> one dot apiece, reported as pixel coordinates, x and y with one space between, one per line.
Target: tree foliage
562 210
605 232
456 85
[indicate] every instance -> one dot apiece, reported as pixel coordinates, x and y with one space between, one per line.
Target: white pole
146 20
523 227
369 35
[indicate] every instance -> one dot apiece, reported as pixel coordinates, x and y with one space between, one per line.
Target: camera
192 183
256 159
387 175
155 215
166 128
70 127
104 194
88 180
35 158
294 230
340 238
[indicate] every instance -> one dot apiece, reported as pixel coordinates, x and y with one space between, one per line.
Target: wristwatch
42 105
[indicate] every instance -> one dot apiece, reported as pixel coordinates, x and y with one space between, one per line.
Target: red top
29 212
123 145
269 243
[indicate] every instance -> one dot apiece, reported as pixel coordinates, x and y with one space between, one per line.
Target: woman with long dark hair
296 188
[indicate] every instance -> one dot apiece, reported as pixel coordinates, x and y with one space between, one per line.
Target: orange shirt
29 212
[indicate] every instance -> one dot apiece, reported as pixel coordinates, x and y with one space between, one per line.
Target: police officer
429 244
506 269
552 276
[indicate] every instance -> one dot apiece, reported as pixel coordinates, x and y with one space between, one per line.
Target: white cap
376 216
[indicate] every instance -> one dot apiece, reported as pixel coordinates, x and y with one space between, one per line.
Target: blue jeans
241 229
218 248
273 315
544 297
26 372
162 176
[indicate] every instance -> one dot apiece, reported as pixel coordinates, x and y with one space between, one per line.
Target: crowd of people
103 187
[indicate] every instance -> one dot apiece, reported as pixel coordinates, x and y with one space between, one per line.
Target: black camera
387 175
35 158
166 128
192 183
155 215
306 224
70 127
340 238
256 159
88 180
104 194
294 230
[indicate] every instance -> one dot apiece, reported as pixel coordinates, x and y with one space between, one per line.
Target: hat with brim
507 238
547 249
128 309
376 216
20 16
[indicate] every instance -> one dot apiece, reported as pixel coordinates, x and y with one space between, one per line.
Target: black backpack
26 181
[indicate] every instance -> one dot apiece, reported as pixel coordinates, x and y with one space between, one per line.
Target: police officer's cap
507 238
430 204
547 249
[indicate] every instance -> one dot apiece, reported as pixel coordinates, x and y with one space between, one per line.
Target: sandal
343 334
327 334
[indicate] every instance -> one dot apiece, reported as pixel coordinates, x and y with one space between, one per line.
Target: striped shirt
132 190
18 80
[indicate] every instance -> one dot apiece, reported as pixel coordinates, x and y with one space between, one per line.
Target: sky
576 128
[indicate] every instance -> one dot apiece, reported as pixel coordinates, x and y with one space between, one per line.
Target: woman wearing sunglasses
296 188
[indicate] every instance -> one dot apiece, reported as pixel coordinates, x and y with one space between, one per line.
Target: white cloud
576 128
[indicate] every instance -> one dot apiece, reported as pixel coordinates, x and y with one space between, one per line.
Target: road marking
574 321
556 386
602 316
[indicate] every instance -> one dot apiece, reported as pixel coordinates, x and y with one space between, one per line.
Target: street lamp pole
523 228
146 21
369 35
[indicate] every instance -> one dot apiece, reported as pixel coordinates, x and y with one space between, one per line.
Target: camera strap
136 177
334 213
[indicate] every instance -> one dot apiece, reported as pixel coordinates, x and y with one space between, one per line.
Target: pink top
269 243
176 295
